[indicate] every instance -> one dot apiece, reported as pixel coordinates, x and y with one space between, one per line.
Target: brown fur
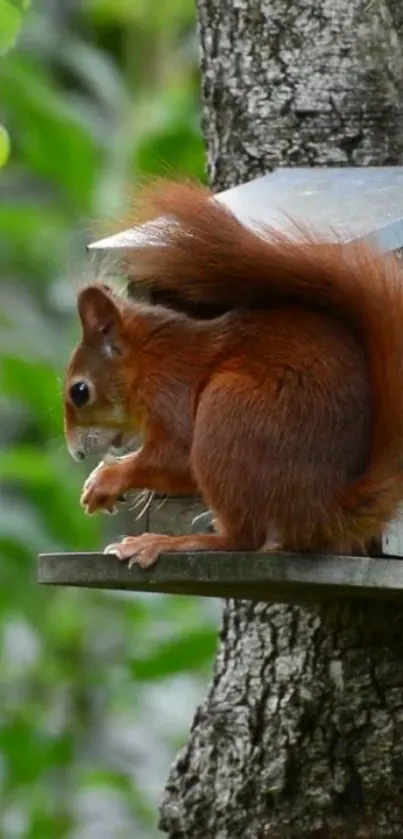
286 412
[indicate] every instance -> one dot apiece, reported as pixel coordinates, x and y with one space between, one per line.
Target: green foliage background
96 689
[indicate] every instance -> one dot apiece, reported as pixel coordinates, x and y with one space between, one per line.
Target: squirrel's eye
80 394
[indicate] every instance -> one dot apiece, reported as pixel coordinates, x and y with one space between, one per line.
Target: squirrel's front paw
104 487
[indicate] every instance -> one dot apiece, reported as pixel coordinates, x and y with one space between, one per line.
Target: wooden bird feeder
347 203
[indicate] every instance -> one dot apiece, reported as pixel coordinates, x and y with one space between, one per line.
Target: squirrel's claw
103 488
140 550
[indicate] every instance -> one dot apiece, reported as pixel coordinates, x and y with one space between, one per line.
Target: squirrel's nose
80 455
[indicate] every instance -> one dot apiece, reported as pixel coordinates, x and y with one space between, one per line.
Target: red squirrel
285 411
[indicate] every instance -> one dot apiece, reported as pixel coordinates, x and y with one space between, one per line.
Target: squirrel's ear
99 313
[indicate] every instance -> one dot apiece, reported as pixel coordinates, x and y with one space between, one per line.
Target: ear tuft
98 310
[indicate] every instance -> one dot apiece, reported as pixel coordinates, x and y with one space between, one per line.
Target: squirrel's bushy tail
207 256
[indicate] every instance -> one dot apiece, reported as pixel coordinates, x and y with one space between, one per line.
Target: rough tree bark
301 733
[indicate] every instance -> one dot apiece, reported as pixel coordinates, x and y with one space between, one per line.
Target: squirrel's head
97 413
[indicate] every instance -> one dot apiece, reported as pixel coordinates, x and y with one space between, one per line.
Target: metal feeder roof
344 203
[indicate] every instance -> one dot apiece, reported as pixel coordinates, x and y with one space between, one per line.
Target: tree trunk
301 733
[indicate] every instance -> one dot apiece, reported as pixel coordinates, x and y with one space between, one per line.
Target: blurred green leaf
51 132
27 466
4 146
169 17
29 752
184 653
34 383
21 527
21 5
10 22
